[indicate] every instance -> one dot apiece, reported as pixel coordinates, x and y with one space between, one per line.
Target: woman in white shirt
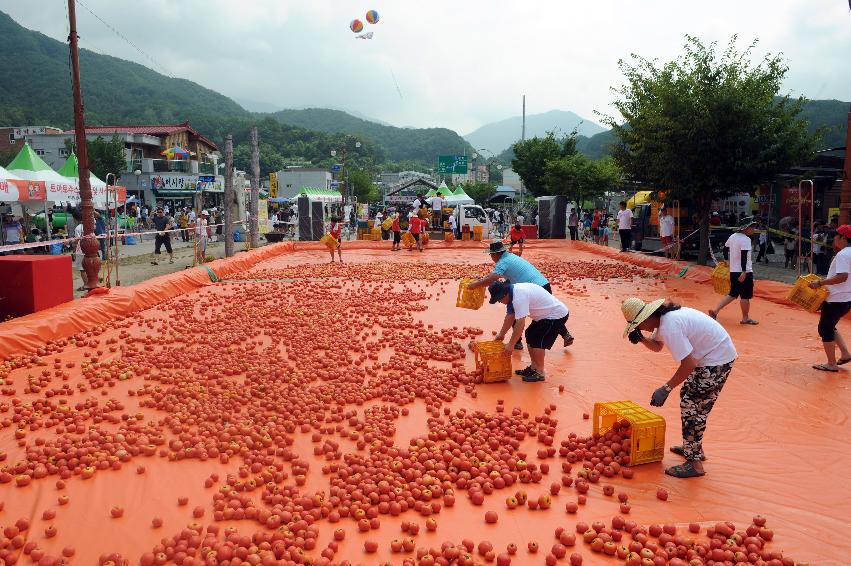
705 353
838 301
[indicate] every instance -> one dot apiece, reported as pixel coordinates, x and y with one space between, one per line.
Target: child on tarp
397 232
335 232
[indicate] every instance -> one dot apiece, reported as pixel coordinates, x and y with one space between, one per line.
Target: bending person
515 269
548 314
705 353
838 301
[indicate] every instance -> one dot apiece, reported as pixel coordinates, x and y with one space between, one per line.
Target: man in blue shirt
515 269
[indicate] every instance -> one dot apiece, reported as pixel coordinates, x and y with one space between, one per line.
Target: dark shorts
831 313
515 242
741 290
397 237
595 231
162 240
416 236
543 333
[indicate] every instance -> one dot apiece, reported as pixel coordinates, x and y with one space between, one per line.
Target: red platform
530 231
31 283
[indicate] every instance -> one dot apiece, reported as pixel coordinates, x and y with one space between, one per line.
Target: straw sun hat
636 311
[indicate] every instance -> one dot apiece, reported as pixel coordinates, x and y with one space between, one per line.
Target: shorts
667 240
595 231
741 290
416 236
789 253
542 333
831 313
397 237
515 242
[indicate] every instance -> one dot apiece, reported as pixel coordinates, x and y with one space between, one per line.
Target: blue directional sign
336 167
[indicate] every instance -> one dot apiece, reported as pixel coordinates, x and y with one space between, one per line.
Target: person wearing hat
548 314
515 269
741 272
705 353
838 301
163 223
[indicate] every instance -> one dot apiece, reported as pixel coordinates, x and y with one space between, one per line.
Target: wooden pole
89 244
255 188
228 212
845 193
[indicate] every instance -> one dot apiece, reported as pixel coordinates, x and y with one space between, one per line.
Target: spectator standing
452 225
790 246
625 226
77 255
13 230
397 232
595 225
100 232
763 244
436 203
201 236
573 224
163 223
666 231
741 272
838 301
183 224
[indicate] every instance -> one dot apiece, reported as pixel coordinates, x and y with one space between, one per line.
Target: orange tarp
776 440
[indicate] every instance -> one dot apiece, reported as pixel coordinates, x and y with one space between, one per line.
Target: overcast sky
458 64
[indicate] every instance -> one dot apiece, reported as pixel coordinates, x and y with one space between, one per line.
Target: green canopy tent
320 194
71 170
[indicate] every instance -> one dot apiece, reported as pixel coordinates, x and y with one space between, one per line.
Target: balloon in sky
356 26
372 17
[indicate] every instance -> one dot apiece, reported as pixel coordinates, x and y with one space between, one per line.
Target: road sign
336 168
452 164
335 183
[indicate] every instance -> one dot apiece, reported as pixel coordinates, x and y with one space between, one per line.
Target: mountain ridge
500 135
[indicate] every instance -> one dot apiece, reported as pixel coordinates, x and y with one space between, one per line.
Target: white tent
29 166
455 200
8 191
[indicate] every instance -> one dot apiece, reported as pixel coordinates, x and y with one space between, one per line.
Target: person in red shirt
595 225
335 232
397 232
416 227
517 237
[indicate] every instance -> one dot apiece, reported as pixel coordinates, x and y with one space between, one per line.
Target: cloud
458 64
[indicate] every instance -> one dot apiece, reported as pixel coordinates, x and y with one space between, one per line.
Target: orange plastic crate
329 241
803 296
449 237
408 240
721 278
469 298
477 233
647 435
492 360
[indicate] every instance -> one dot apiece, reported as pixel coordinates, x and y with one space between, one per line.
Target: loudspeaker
304 230
558 214
317 220
544 218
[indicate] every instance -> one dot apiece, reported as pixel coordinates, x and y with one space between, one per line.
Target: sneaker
518 346
533 377
525 371
568 340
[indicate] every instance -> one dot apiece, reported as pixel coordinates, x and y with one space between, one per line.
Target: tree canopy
707 125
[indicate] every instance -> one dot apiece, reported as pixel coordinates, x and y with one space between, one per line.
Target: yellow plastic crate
449 237
465 236
469 298
721 278
387 224
477 233
408 240
425 237
803 296
492 360
329 241
647 437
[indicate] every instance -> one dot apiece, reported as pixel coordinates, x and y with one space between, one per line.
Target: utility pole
255 188
89 245
228 216
523 138
845 192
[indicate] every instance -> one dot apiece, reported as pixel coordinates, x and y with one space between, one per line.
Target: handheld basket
408 240
469 298
721 278
387 224
492 360
645 430
803 296
425 237
330 241
376 234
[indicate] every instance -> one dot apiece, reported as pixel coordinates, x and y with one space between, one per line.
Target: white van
472 215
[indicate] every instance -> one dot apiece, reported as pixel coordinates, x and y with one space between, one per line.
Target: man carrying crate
548 314
705 353
838 301
741 272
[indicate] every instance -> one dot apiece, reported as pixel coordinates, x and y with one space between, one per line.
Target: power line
122 36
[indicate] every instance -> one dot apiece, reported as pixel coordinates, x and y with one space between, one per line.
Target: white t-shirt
520 219
738 243
841 263
201 228
688 331
535 302
417 204
436 203
452 221
78 233
625 219
666 226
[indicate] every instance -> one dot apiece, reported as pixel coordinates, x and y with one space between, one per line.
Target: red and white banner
13 190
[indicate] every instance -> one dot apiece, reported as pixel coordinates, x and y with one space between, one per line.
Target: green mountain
35 89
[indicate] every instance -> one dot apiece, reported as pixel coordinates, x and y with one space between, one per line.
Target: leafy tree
104 156
578 177
707 125
531 157
480 192
6 156
361 186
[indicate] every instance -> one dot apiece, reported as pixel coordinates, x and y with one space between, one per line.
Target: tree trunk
705 206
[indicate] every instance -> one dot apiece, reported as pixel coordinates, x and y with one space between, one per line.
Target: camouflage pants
697 397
